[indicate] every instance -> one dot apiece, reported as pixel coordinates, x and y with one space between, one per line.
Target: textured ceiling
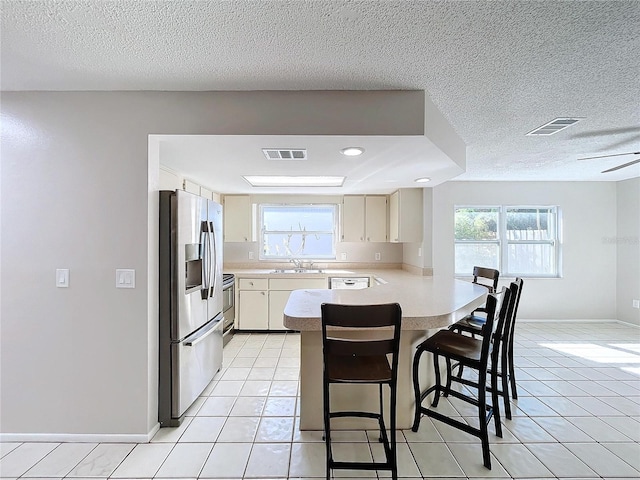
496 70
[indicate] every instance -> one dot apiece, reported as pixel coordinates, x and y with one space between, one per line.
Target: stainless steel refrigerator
190 307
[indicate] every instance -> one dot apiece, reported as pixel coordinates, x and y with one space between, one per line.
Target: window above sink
300 232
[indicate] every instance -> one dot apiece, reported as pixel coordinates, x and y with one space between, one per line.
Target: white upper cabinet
375 210
206 193
364 218
237 218
405 215
353 218
191 187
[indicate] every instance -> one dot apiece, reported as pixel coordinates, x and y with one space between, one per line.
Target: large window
298 231
518 241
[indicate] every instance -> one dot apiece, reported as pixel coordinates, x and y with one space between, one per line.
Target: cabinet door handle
251 283
261 293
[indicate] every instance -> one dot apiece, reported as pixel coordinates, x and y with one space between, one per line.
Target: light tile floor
577 416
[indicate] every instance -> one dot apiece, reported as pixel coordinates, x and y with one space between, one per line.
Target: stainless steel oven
228 305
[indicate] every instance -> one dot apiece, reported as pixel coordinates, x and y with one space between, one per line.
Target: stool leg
394 455
482 417
504 369
327 428
512 373
496 402
416 390
449 373
438 385
381 437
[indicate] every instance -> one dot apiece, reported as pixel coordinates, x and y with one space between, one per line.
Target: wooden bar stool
487 277
472 353
361 360
474 324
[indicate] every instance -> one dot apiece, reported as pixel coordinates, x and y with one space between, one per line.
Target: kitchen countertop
426 302
325 272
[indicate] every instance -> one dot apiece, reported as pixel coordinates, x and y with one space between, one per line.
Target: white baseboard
568 320
81 437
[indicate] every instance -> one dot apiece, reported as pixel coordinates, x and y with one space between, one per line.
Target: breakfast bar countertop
426 302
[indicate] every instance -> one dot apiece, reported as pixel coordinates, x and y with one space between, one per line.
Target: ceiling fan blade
613 155
632 162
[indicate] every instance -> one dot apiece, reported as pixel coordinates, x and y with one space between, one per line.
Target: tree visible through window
515 240
297 231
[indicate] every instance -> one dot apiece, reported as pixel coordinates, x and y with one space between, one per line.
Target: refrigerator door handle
201 335
213 253
206 277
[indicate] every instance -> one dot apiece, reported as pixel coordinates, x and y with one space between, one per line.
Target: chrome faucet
296 263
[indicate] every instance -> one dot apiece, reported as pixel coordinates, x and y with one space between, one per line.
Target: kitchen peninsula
428 304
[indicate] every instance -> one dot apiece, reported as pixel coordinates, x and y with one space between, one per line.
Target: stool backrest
497 306
489 275
377 330
516 290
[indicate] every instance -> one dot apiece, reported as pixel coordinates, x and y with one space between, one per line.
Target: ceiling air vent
554 126
285 153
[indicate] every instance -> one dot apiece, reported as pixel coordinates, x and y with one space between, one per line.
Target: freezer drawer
342 283
195 362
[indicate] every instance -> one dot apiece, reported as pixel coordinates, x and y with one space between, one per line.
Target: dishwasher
343 283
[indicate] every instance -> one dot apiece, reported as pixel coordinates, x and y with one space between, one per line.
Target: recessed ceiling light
352 151
293 181
422 180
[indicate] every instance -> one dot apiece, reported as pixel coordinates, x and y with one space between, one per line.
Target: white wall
627 242
77 193
410 252
587 289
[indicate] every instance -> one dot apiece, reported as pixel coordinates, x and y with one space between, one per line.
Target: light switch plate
125 278
62 278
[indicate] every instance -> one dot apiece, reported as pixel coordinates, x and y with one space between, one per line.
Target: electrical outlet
636 304
250 255
377 256
419 251
343 256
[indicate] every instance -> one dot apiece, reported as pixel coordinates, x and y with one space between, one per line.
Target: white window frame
333 232
503 242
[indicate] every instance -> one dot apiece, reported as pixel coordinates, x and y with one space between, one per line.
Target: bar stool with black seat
362 358
488 278
472 353
502 340
474 324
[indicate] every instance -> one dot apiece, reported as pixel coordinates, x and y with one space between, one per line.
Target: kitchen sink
297 270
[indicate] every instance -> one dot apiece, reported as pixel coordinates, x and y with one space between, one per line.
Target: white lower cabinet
253 312
261 301
277 301
253 304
